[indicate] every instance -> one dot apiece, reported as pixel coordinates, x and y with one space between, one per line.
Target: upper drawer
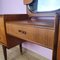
21 31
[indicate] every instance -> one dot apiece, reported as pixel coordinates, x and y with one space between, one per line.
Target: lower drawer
20 31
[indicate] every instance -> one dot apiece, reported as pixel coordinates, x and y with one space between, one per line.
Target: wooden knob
19 31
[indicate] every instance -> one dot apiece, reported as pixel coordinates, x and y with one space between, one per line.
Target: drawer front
29 33
20 31
2 31
41 36
50 38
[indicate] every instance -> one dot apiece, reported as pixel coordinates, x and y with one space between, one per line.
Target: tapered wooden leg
21 48
4 52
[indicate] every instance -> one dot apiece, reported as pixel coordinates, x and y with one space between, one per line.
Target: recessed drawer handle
22 31
19 31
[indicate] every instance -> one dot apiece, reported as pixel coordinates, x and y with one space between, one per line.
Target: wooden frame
56 34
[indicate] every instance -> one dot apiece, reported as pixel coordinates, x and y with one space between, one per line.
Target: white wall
13 7
0 6
39 50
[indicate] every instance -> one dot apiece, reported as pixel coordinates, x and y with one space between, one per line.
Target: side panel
2 31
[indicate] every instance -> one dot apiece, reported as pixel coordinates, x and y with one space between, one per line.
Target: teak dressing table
16 29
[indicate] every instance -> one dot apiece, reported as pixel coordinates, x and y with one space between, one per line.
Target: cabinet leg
4 52
21 48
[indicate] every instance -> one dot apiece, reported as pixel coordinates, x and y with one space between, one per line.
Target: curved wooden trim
27 1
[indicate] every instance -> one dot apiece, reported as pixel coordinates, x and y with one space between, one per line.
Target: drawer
21 31
29 33
45 37
41 36
50 38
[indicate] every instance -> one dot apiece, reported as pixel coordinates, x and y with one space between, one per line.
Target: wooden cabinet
32 33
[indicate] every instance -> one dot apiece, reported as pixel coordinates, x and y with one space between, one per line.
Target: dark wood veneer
16 17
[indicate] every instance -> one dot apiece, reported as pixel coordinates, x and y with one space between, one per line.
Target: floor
14 54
